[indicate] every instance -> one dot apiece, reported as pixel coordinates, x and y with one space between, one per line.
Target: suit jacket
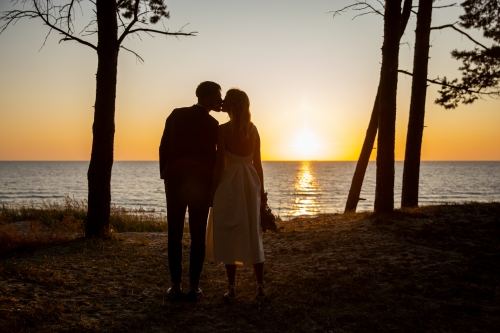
188 149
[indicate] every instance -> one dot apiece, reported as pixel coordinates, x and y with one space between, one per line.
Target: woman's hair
239 106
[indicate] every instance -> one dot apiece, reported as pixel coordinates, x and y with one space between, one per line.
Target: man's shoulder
195 111
180 110
213 121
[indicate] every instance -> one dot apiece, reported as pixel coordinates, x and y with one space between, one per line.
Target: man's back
187 148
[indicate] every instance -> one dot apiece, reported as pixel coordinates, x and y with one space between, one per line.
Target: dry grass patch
31 225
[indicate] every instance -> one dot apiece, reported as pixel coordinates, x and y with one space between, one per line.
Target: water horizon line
318 160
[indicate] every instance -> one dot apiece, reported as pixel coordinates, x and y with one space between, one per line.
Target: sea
294 188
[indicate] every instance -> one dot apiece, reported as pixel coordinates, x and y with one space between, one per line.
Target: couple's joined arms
219 164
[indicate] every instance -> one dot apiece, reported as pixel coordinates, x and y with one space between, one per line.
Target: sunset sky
311 79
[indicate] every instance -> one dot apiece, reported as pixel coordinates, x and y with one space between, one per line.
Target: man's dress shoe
175 294
194 295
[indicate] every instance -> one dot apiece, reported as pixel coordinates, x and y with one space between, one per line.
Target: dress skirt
233 229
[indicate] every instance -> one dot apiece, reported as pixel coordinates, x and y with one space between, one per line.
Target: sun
306 145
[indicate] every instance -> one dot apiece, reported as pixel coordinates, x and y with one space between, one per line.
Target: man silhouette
187 158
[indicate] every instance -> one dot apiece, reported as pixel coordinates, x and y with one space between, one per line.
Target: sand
432 269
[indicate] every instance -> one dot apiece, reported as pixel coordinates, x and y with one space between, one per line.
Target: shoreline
433 269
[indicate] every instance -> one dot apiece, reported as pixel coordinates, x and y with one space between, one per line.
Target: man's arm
219 163
164 148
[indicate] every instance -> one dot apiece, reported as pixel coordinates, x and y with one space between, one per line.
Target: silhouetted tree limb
452 26
440 82
445 6
359 6
60 19
480 77
480 67
405 16
68 14
138 57
483 15
42 11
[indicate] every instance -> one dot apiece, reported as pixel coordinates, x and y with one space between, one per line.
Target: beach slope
432 269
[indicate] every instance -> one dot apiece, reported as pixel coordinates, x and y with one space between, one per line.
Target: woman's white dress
233 230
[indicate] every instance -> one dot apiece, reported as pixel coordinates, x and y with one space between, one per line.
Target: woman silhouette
234 233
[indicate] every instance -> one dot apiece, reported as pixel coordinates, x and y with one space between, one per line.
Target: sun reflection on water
306 192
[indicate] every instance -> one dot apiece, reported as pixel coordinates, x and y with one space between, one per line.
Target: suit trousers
198 215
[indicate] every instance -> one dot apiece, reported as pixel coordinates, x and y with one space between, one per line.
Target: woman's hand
263 200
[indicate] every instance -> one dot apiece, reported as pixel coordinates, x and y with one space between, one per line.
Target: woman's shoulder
253 129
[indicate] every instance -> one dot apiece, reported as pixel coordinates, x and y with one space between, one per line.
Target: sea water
294 188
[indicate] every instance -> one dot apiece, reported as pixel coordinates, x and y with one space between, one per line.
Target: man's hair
207 89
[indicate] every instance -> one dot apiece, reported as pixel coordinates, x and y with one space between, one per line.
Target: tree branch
11 17
179 33
445 6
45 40
405 16
68 17
452 26
138 57
436 81
131 24
88 25
359 5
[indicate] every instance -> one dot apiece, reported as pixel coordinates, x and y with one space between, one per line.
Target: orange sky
307 75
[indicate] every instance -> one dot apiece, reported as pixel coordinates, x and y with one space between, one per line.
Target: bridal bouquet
267 218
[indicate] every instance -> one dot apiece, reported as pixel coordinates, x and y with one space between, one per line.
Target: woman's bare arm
257 162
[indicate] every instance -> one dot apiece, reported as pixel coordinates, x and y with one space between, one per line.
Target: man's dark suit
187 158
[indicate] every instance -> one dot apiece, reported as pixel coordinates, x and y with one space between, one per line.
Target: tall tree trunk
384 189
409 196
101 160
364 158
371 133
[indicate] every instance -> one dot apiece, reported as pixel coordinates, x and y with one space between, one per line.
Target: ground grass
31 225
432 269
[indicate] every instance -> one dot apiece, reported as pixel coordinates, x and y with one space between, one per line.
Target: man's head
209 95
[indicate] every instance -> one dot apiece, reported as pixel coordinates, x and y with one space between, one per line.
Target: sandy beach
432 269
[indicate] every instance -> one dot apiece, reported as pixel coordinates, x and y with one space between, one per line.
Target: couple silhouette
215 172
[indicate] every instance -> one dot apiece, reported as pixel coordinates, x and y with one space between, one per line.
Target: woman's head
237 105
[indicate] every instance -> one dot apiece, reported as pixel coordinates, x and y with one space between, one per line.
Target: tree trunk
409 196
103 129
384 189
371 133
364 158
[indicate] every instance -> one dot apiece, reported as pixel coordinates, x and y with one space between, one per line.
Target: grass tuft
31 225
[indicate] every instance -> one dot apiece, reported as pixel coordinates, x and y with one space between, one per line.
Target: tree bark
411 171
384 189
364 158
371 133
103 129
